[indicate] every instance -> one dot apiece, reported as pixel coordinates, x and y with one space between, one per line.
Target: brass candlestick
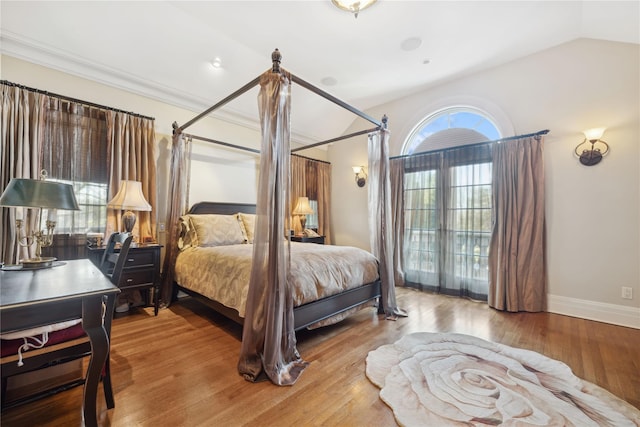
41 238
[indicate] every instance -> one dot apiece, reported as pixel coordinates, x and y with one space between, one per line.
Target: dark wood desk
74 290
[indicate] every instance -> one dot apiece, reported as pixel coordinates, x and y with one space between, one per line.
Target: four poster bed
329 282
273 309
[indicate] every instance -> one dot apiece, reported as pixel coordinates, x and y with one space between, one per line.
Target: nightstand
304 239
141 271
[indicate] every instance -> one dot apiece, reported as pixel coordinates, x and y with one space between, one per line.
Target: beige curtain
131 156
178 205
312 178
268 338
396 178
21 132
324 200
517 258
298 188
380 223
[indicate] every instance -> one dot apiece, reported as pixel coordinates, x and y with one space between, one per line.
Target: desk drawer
132 278
137 258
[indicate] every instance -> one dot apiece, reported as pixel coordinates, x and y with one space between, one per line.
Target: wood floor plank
179 368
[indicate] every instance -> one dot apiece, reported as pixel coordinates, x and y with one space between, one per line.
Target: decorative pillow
214 230
187 236
248 223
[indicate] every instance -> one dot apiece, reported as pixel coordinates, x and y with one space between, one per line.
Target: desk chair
67 344
113 262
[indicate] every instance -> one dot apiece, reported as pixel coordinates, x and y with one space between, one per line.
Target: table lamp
129 198
31 193
302 209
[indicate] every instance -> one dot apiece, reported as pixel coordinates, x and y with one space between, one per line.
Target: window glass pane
458 242
75 152
92 216
421 224
452 118
312 219
488 129
470 212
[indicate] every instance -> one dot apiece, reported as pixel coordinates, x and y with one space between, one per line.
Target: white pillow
214 230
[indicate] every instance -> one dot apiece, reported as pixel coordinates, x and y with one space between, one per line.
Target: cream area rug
434 379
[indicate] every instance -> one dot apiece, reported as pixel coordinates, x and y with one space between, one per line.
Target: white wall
593 213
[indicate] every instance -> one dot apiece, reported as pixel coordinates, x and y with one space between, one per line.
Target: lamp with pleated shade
302 209
129 198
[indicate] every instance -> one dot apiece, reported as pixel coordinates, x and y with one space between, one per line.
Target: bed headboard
222 208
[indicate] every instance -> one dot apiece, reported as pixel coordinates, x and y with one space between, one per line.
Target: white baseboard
602 312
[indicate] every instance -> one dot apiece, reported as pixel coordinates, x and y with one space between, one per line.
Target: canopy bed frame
276 58
270 320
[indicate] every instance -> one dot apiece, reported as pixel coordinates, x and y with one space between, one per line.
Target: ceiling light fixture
353 6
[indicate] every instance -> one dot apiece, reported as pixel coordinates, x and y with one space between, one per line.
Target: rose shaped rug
434 379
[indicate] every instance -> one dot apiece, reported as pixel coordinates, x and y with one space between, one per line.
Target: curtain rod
79 101
508 138
309 158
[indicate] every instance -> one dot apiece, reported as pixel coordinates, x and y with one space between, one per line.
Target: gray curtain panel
517 258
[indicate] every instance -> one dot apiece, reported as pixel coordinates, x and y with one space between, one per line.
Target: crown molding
57 59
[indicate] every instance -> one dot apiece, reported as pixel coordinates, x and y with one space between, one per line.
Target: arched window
447 202
451 127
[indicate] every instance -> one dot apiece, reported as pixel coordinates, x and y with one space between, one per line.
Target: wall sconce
361 176
592 156
41 194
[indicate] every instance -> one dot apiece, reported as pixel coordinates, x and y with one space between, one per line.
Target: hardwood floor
179 369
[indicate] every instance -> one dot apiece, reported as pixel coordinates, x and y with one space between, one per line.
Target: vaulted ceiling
164 49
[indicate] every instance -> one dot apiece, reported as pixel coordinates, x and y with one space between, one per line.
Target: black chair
113 262
73 344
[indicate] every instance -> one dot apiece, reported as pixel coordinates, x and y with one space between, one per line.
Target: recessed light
216 63
412 43
329 81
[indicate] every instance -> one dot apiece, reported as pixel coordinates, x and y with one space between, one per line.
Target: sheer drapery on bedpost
268 335
178 199
380 223
517 257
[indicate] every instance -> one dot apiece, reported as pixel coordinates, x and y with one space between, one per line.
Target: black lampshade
34 193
